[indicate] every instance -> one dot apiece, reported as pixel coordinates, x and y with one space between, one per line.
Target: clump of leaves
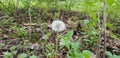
18 31
33 56
109 54
8 55
22 55
12 52
73 47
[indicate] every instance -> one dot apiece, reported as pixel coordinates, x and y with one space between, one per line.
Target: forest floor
41 21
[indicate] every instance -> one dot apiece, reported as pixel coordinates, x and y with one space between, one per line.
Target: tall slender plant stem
56 56
30 28
104 19
99 40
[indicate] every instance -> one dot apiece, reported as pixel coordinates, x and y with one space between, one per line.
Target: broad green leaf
13 48
78 55
23 55
113 35
68 56
94 32
86 53
66 42
86 21
108 24
115 56
109 2
109 54
89 3
33 56
69 34
75 46
8 55
15 52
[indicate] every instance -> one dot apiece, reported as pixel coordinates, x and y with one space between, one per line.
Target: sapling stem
104 19
99 39
29 12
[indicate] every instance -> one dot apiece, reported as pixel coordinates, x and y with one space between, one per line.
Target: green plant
50 52
109 54
65 40
22 55
18 32
8 55
33 56
73 47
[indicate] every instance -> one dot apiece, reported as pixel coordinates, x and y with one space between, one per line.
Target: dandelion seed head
58 25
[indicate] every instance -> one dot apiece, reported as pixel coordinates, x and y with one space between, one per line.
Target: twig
104 19
99 40
30 28
30 19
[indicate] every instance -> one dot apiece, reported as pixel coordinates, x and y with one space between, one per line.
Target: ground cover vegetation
59 29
